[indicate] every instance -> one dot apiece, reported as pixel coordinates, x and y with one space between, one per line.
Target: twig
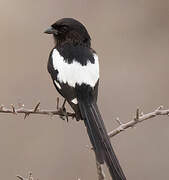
36 110
100 172
99 168
139 117
29 177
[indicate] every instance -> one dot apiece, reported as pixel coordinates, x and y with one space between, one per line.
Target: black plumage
76 53
73 47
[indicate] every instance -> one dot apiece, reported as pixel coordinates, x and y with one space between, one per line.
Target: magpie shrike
74 68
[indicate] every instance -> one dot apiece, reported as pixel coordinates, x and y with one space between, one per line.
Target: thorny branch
61 111
139 117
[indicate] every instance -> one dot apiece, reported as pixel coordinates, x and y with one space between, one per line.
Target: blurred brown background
132 40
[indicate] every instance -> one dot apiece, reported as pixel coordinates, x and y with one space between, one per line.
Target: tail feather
92 134
100 140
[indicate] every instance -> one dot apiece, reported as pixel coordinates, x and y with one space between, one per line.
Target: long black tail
100 140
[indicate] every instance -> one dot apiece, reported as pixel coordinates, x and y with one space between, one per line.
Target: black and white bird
74 68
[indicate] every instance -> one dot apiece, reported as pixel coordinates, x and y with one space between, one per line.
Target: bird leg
63 111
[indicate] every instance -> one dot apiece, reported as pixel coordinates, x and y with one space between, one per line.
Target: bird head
70 30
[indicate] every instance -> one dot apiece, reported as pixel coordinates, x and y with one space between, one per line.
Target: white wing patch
76 73
57 84
74 101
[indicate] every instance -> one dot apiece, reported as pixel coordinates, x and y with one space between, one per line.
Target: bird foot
63 112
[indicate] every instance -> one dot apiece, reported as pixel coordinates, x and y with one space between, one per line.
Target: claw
63 111
63 105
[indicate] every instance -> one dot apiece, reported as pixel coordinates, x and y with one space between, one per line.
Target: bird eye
64 28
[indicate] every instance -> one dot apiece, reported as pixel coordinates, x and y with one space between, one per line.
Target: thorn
1 107
20 177
88 147
141 114
30 177
57 103
36 107
137 114
160 108
26 115
13 109
118 121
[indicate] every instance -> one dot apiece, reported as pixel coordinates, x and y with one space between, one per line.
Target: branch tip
139 117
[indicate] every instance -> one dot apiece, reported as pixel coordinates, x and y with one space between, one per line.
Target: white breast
76 73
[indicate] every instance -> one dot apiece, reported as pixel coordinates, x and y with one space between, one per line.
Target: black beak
51 30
